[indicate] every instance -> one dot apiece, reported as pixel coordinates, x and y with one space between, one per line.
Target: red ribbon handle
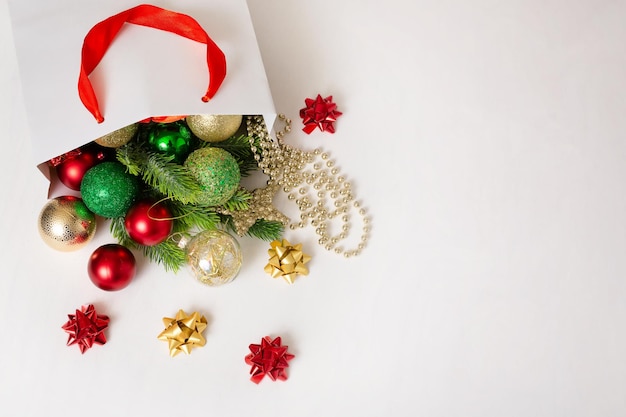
100 36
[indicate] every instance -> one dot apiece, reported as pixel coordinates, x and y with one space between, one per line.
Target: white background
485 139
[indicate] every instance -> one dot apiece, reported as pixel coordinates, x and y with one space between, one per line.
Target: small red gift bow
99 38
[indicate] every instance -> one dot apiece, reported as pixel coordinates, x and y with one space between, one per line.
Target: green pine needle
239 200
189 216
166 253
118 230
131 159
266 230
160 172
262 229
237 146
170 179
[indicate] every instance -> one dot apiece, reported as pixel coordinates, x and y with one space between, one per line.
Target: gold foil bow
286 260
184 332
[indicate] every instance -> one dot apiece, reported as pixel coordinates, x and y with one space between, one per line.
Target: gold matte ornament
119 137
66 224
214 127
184 332
286 260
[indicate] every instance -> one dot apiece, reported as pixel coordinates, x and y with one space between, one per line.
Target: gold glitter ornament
286 260
66 224
119 137
214 127
214 257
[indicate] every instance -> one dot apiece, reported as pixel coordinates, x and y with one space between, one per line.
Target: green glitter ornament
217 173
172 139
108 190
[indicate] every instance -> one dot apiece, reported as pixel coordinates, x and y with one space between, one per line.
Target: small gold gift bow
286 260
184 332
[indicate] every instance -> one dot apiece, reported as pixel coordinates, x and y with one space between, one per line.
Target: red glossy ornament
72 170
111 267
149 223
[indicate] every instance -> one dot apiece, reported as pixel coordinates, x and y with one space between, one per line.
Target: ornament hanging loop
180 239
161 219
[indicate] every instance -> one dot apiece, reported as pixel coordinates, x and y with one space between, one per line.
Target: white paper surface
486 140
146 72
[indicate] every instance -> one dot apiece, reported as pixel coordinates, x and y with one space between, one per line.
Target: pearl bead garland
321 194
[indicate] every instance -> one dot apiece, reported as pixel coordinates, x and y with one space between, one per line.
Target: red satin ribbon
102 34
162 119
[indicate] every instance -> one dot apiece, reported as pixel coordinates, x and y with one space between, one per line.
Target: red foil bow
86 327
321 112
102 34
58 160
269 358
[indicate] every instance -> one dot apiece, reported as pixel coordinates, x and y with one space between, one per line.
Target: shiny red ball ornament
149 223
111 267
72 170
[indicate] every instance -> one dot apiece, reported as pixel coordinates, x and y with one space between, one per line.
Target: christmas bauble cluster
154 181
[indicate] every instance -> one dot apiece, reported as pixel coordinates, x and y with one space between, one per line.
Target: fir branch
130 158
266 230
170 178
237 146
190 216
262 229
166 253
239 200
159 172
118 230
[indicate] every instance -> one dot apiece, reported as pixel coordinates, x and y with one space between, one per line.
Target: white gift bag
145 72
